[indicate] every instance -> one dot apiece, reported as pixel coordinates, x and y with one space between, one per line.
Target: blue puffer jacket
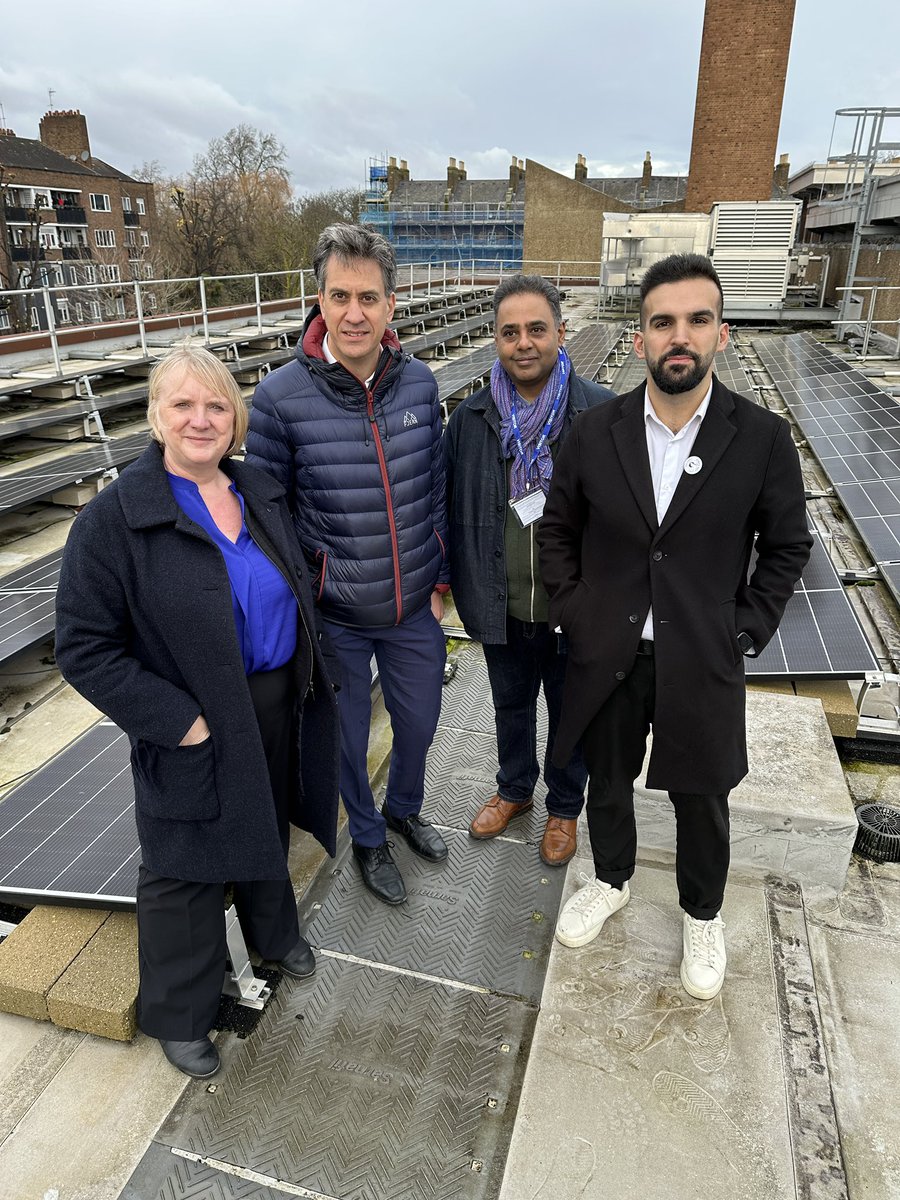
364 473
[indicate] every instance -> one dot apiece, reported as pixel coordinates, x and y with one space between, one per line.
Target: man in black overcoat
645 550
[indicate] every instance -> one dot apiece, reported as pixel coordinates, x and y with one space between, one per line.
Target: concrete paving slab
98 993
89 1127
635 1089
31 1053
792 814
38 951
858 982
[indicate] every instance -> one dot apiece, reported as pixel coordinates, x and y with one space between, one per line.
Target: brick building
69 219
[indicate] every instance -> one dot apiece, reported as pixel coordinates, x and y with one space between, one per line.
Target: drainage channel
395 1071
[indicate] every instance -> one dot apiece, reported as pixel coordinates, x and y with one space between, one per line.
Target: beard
681 379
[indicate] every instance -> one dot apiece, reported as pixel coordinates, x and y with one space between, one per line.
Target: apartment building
69 219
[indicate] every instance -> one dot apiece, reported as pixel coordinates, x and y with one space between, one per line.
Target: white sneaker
703 965
584 913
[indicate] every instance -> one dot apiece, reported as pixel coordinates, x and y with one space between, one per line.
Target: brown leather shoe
492 818
559 843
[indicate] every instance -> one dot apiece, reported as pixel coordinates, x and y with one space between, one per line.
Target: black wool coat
145 631
605 559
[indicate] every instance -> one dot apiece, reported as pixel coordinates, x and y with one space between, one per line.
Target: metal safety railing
867 324
139 307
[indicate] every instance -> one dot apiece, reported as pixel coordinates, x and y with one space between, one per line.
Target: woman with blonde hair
184 613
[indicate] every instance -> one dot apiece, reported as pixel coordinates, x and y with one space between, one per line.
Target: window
105 238
49 237
130 237
141 206
148 270
145 238
126 204
95 310
62 312
58 277
100 202
35 319
73 276
90 273
109 273
4 319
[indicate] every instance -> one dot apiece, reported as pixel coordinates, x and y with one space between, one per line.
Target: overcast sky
476 79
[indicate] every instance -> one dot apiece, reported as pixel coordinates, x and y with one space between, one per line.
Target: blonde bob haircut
206 369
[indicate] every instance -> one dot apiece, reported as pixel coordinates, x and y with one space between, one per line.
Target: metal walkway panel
360 1085
484 917
68 832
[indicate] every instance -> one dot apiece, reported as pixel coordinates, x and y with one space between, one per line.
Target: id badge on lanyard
530 507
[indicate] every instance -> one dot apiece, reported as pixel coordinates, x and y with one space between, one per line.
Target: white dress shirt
668 453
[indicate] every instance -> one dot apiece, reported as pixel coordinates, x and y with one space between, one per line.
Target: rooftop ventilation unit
750 246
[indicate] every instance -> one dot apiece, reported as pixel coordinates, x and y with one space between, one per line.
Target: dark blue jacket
145 631
477 495
364 474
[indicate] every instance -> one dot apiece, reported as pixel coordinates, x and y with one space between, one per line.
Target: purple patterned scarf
532 418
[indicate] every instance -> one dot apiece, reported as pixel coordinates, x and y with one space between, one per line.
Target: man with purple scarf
499 449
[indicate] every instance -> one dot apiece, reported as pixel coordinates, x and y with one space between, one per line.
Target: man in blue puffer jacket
351 428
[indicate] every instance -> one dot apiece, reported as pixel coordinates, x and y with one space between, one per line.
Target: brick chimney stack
66 132
782 174
581 168
646 176
740 88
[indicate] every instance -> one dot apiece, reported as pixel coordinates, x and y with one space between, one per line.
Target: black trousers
614 745
181 924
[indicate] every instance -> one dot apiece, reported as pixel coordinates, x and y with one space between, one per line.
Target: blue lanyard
545 433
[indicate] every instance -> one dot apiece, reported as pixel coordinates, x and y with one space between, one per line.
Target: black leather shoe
199 1059
421 837
380 873
300 962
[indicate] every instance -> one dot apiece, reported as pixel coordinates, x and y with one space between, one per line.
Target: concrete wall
563 222
881 263
740 87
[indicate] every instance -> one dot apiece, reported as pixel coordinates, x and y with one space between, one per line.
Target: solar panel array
68 832
853 428
28 605
41 479
819 634
590 347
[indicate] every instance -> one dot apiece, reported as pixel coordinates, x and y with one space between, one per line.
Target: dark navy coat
477 497
145 631
605 559
364 474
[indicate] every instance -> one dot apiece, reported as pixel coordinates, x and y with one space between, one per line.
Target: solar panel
852 427
819 634
68 832
28 605
590 347
446 333
34 482
462 371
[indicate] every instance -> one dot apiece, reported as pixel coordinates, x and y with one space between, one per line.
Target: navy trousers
410 658
531 658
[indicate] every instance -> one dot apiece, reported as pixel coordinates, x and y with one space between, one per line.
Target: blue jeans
410 658
532 656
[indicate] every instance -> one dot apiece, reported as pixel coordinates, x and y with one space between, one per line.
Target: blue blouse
265 608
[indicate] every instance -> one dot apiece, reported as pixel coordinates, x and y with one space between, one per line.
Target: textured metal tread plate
161 1175
484 916
362 1085
467 699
